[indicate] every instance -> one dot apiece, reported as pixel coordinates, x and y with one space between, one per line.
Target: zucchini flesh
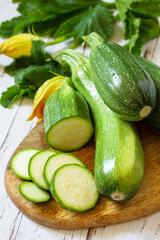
154 71
56 161
119 160
122 83
73 187
33 193
36 166
68 124
20 161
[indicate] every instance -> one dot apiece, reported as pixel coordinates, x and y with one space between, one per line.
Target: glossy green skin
123 85
154 72
119 160
65 103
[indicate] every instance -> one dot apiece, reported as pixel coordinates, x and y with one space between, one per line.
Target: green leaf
30 73
13 93
30 7
36 75
142 30
146 7
38 58
27 81
139 21
96 19
7 27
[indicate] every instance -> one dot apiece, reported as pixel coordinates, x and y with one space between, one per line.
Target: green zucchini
73 187
68 124
154 71
119 160
122 83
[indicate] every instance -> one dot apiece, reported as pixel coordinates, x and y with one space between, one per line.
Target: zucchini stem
117 196
93 39
57 40
145 111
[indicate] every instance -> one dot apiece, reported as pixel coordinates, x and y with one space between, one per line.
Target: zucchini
20 161
154 71
56 161
125 87
68 125
36 166
73 187
119 160
33 193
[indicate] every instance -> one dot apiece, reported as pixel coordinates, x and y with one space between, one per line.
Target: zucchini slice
20 161
56 161
68 124
73 187
36 166
31 192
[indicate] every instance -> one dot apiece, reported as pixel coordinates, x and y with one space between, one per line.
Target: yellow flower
19 45
48 88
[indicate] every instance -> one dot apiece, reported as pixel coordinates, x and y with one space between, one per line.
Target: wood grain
106 212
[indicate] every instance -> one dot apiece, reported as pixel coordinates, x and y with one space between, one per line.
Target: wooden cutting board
106 212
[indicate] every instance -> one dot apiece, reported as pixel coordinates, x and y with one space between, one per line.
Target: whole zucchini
67 119
119 161
154 72
123 84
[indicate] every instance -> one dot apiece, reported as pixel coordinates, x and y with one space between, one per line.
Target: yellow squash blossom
49 87
19 45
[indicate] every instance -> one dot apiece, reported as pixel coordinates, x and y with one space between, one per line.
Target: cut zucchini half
33 193
73 187
56 161
67 118
20 161
36 166
69 134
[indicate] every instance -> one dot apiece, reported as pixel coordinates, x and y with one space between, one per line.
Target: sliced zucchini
36 165
33 193
20 161
68 124
73 187
69 134
56 161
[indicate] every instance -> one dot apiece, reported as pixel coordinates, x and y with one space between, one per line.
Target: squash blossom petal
48 88
19 45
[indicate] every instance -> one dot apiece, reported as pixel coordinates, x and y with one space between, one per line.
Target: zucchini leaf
30 73
47 18
14 92
28 7
140 21
7 27
95 19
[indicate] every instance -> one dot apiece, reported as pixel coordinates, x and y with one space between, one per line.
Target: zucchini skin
66 103
122 83
119 160
154 71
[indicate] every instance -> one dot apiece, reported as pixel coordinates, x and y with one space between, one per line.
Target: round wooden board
106 212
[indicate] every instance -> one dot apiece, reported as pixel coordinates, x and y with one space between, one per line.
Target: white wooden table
13 128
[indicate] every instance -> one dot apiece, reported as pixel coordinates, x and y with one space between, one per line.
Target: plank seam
11 125
12 232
